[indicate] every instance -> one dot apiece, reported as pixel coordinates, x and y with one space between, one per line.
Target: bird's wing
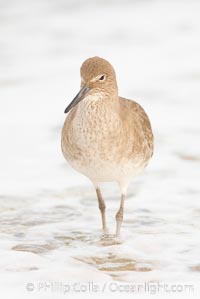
138 127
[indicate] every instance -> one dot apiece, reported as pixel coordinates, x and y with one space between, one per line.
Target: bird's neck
97 110
98 104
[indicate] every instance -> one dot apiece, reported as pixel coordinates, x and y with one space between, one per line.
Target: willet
106 137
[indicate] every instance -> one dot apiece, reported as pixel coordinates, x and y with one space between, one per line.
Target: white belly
99 170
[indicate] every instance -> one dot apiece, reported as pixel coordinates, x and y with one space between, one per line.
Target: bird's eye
102 78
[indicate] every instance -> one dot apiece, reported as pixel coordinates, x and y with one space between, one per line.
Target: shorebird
106 137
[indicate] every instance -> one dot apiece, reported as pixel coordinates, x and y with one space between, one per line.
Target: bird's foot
108 240
105 232
117 240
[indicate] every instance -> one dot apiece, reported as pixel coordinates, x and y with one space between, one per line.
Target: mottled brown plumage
106 137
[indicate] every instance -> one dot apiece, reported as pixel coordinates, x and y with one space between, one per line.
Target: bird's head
97 79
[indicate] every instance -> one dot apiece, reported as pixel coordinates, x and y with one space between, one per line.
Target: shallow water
50 225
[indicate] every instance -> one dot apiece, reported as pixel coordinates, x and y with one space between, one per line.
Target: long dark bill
80 96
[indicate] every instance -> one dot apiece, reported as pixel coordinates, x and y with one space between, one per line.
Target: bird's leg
119 216
102 208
